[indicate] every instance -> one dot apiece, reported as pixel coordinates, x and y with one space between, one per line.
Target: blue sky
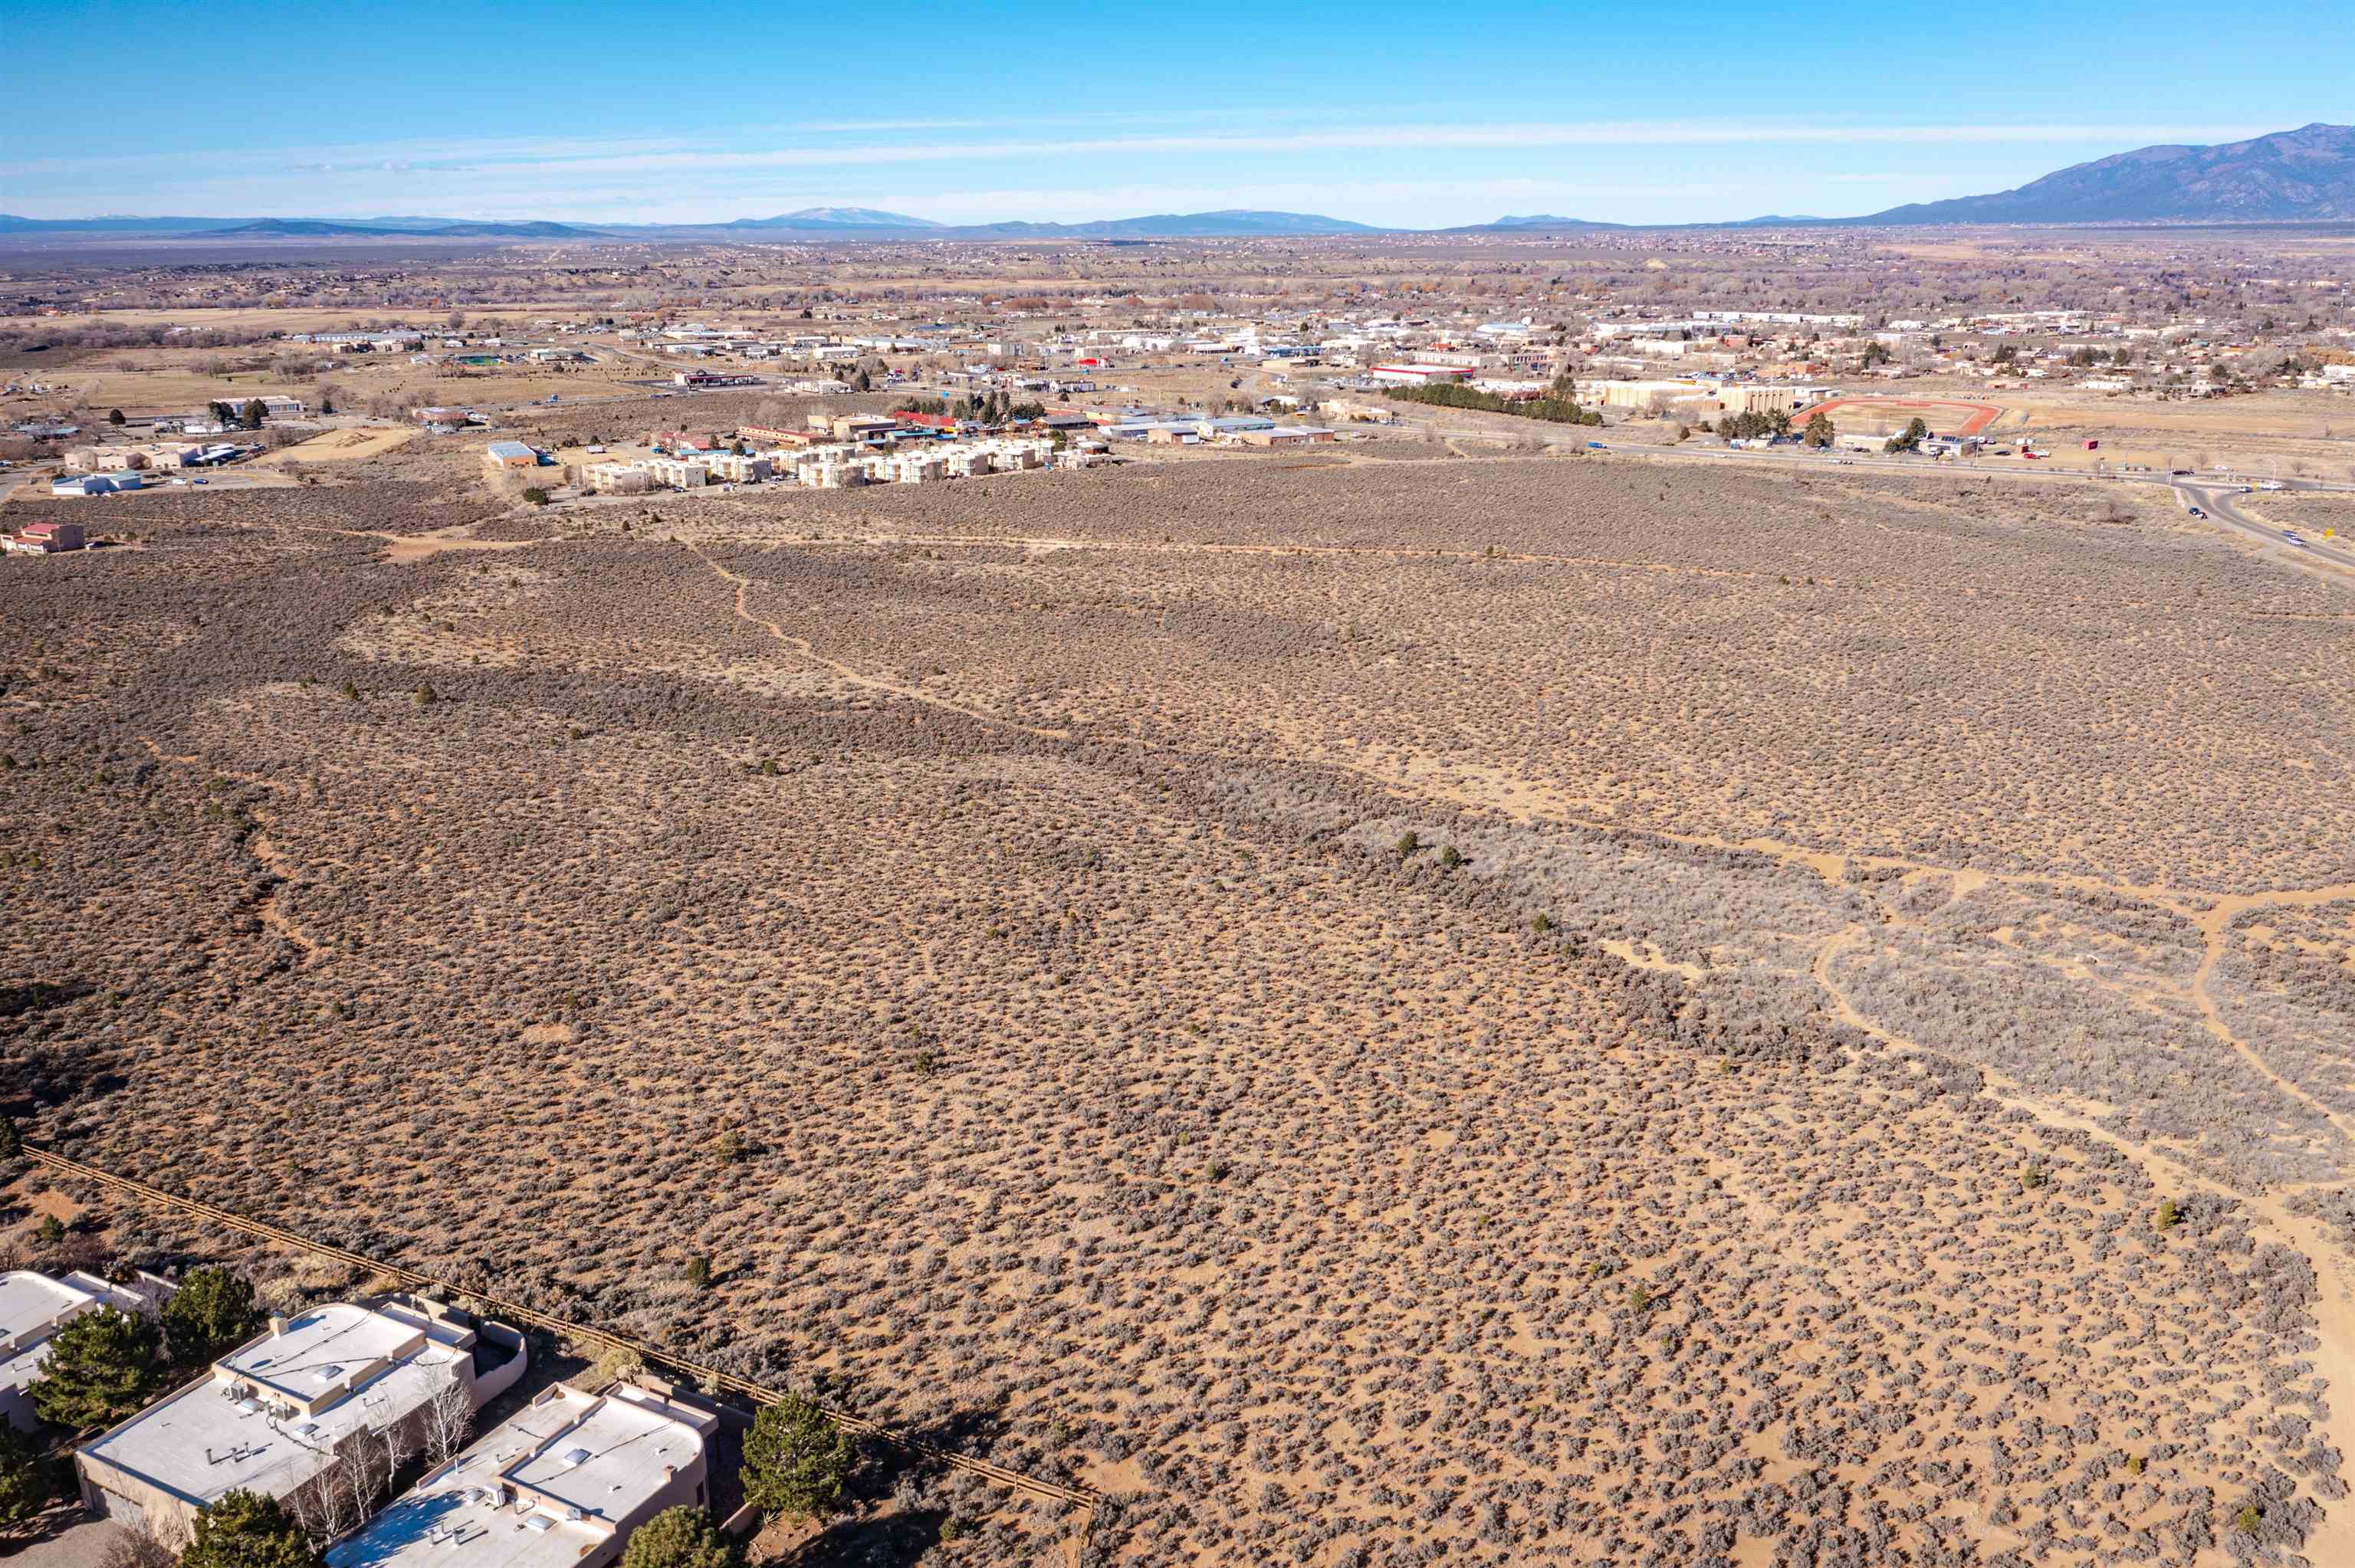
1410 115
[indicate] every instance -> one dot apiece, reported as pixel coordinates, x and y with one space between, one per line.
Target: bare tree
448 1416
337 1500
136 1545
379 1456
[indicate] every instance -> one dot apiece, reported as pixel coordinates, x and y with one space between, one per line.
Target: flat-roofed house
560 1484
275 1414
33 1307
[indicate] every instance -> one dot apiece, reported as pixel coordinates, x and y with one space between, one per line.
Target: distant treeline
1558 407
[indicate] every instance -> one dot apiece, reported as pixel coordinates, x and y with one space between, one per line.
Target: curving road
2218 501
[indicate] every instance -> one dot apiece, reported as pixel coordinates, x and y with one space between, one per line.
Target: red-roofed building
48 539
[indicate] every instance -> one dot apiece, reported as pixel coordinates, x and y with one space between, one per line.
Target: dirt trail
2215 928
2333 1541
274 918
857 677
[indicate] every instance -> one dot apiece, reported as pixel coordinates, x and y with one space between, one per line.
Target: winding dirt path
859 678
2333 1541
2215 930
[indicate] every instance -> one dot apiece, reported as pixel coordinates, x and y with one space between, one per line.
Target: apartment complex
277 1415
561 1484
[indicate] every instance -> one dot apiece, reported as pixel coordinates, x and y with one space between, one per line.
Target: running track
1982 414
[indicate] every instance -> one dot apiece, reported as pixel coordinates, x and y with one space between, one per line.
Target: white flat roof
33 1306
605 1455
30 1300
201 1443
611 1459
320 1348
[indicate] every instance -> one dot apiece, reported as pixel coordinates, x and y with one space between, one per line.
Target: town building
106 460
510 454
863 426
49 538
769 435
1419 374
33 1307
689 473
560 1484
279 1413
617 478
738 468
94 483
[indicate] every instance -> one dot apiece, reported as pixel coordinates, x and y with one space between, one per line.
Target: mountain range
812 223
2289 176
2297 176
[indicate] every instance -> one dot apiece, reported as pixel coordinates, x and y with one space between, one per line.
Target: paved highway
2218 503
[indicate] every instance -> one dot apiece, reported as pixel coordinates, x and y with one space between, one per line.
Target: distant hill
11 224
1232 221
825 217
815 222
312 228
304 227
1535 222
540 230
2290 175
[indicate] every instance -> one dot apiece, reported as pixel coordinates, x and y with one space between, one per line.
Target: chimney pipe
277 1324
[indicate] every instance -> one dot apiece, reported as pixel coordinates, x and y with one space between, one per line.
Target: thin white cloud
675 156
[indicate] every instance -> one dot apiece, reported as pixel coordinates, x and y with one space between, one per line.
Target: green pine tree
23 1478
795 1460
246 1529
678 1538
101 1369
212 1314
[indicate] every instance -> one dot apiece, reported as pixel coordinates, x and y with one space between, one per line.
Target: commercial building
769 435
1419 374
510 454
277 1415
106 460
94 483
863 426
561 1484
1287 436
1757 398
1648 394
33 1307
